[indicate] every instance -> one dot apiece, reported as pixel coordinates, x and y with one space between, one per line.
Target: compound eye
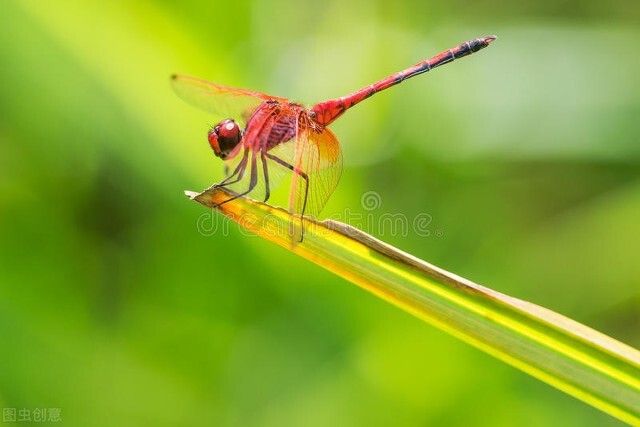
229 131
225 137
213 142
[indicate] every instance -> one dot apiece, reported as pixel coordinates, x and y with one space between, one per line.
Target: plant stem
568 355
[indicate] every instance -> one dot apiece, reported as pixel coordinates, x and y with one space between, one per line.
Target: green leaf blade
559 351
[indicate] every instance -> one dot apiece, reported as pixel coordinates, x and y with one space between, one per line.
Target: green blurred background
116 307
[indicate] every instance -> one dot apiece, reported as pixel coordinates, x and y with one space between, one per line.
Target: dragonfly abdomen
460 51
328 111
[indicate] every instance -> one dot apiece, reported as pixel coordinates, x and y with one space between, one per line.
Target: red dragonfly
264 137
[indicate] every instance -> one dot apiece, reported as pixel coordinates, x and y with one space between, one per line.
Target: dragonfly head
224 137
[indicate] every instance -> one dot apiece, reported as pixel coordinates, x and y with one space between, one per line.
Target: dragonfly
263 138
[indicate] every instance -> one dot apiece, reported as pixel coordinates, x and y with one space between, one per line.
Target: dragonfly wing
221 101
317 162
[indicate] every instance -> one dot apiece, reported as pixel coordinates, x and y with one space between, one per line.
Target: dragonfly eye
225 137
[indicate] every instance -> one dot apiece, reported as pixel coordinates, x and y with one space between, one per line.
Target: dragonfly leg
306 187
252 183
297 172
238 172
265 171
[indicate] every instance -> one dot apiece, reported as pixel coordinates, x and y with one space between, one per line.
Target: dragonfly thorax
224 137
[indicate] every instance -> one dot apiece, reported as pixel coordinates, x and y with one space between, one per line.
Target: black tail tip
489 39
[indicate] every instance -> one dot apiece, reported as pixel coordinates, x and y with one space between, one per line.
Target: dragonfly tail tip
489 39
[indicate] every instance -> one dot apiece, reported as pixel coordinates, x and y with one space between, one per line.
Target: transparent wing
317 162
221 101
312 159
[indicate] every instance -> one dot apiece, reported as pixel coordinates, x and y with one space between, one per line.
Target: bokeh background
116 308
